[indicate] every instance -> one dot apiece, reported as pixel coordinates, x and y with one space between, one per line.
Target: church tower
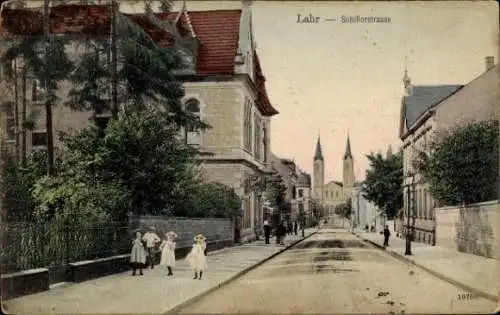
348 171
318 173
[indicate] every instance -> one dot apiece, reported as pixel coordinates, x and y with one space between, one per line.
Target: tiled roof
217 31
422 98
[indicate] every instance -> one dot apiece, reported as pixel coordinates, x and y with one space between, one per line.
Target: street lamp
410 203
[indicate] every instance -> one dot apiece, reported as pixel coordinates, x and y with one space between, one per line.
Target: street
335 272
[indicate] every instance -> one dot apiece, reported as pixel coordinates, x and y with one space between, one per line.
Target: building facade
287 169
365 213
224 86
426 110
304 196
332 193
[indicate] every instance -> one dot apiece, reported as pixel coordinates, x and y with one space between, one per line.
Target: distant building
332 193
426 109
288 171
223 81
304 200
365 212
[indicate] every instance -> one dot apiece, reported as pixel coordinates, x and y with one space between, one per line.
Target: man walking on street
387 233
237 230
295 228
151 239
267 230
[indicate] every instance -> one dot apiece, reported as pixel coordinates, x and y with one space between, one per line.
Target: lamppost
410 203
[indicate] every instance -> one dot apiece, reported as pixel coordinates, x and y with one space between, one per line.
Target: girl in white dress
138 254
196 257
168 252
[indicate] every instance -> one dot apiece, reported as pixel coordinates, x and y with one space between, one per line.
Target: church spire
348 153
406 80
319 154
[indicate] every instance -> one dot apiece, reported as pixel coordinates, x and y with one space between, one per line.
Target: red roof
217 31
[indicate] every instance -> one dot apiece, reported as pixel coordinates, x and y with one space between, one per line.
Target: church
332 193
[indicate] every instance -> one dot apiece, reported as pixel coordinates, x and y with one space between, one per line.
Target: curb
465 287
195 299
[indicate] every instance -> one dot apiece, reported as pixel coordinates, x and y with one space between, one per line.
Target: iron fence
27 245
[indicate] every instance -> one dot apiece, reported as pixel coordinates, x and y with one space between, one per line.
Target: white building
365 212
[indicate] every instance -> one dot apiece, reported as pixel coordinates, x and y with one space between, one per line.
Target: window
256 141
425 205
246 213
10 128
294 193
247 126
301 193
337 194
36 91
264 143
38 138
102 123
192 132
10 122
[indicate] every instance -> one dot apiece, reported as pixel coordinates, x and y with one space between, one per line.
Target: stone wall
473 229
215 230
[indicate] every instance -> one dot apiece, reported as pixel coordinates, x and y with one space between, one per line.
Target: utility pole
48 100
114 63
410 208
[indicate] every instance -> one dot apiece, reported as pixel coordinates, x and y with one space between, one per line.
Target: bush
463 165
17 183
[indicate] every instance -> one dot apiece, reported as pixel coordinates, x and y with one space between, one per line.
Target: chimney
490 62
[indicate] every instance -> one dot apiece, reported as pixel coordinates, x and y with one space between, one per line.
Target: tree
384 182
46 60
317 209
276 192
142 152
344 209
461 163
142 70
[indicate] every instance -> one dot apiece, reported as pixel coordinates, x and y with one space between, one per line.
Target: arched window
193 135
193 106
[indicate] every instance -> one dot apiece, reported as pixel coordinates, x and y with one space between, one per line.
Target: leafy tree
384 182
462 166
276 191
216 200
142 152
344 209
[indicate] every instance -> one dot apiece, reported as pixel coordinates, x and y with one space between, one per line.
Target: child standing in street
168 252
138 254
196 257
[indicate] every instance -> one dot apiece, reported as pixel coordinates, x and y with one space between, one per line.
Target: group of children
138 256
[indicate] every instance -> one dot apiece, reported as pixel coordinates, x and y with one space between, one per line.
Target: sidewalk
153 292
476 274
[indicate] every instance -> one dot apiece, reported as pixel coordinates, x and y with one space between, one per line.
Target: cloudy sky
334 78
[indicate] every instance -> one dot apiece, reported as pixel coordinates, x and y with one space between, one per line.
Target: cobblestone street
336 272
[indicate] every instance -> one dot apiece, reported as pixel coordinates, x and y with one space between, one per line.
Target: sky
333 79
